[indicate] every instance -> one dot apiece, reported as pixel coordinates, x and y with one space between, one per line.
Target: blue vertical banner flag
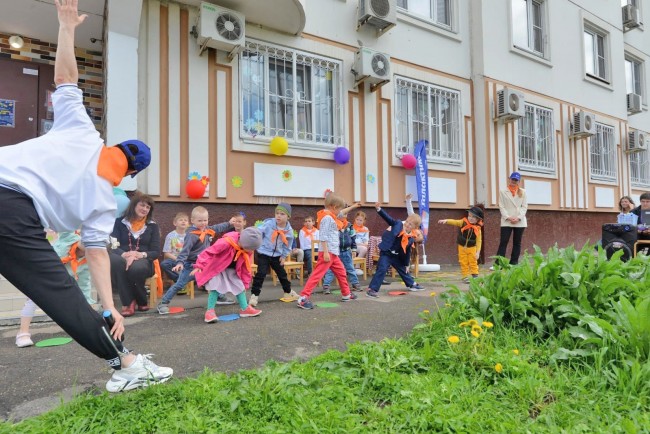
422 182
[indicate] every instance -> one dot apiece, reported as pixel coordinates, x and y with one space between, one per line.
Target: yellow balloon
279 146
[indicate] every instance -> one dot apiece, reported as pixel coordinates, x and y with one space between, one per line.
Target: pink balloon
408 161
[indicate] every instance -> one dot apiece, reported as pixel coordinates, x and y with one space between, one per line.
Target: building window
438 11
634 3
290 94
427 112
602 152
596 54
640 169
633 76
528 24
535 136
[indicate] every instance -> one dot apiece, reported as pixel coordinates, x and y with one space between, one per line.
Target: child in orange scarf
469 241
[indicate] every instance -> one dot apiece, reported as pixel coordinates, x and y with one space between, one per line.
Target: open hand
67 11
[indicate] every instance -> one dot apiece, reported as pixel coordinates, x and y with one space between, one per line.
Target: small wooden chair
289 267
362 264
152 283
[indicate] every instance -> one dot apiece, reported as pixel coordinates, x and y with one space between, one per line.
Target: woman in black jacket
132 261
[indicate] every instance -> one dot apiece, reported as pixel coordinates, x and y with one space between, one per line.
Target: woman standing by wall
132 260
513 206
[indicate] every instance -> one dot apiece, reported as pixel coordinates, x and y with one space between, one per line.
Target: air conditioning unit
510 104
372 67
637 141
631 17
633 103
220 28
584 124
381 14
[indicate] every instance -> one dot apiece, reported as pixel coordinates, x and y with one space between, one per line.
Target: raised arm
65 64
409 205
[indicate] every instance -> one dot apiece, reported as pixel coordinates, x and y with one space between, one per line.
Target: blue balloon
122 204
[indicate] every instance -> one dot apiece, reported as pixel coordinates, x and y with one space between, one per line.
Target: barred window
437 11
290 94
535 136
427 112
602 151
640 169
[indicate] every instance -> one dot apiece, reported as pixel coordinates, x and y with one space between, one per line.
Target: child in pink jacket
226 267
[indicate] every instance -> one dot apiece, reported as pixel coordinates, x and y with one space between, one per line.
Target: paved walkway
35 379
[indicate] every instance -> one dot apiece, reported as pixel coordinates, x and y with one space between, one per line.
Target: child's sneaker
305 303
356 287
249 311
24 340
349 297
416 287
253 300
142 373
222 299
163 308
292 296
210 316
466 279
474 276
372 293
326 289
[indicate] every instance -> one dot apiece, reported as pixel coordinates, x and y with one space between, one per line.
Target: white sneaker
253 300
24 340
142 373
492 268
293 295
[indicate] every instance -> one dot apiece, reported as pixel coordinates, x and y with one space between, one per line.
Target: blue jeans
386 260
307 261
346 258
183 279
167 265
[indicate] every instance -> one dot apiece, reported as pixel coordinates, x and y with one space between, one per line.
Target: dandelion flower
515 352
433 294
464 324
488 324
453 339
426 311
498 367
475 333
473 322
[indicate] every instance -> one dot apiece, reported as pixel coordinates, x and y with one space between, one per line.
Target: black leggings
263 264
29 262
518 234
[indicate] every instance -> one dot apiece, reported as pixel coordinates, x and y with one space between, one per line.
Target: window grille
640 169
602 152
535 139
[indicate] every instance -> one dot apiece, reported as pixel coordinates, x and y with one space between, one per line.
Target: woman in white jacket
513 206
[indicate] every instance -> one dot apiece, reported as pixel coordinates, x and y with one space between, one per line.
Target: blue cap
137 154
515 175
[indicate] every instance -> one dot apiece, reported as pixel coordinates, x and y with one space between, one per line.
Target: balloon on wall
408 161
122 201
195 189
279 146
341 155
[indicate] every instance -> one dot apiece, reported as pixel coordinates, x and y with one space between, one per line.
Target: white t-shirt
58 171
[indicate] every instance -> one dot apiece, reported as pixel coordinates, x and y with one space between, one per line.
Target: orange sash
309 233
202 233
136 225
239 251
72 259
468 225
405 239
359 229
513 189
282 233
112 165
325 212
159 280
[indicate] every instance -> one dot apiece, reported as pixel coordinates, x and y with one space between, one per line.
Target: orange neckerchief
112 165
468 225
309 233
513 189
239 252
325 212
282 233
359 229
137 225
72 259
405 239
202 233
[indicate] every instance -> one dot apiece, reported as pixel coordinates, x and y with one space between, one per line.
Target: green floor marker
53 342
336 291
327 304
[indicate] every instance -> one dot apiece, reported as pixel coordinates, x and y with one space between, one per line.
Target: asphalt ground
34 380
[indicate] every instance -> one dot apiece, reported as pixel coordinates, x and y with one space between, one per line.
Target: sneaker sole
343 300
137 383
211 320
305 307
223 303
249 315
163 313
372 296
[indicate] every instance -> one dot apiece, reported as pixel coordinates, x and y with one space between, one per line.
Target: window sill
599 82
530 55
527 171
599 180
247 144
430 26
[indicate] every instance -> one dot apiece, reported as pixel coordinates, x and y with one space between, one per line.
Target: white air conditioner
510 104
220 28
371 66
584 124
631 17
381 14
633 103
637 141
